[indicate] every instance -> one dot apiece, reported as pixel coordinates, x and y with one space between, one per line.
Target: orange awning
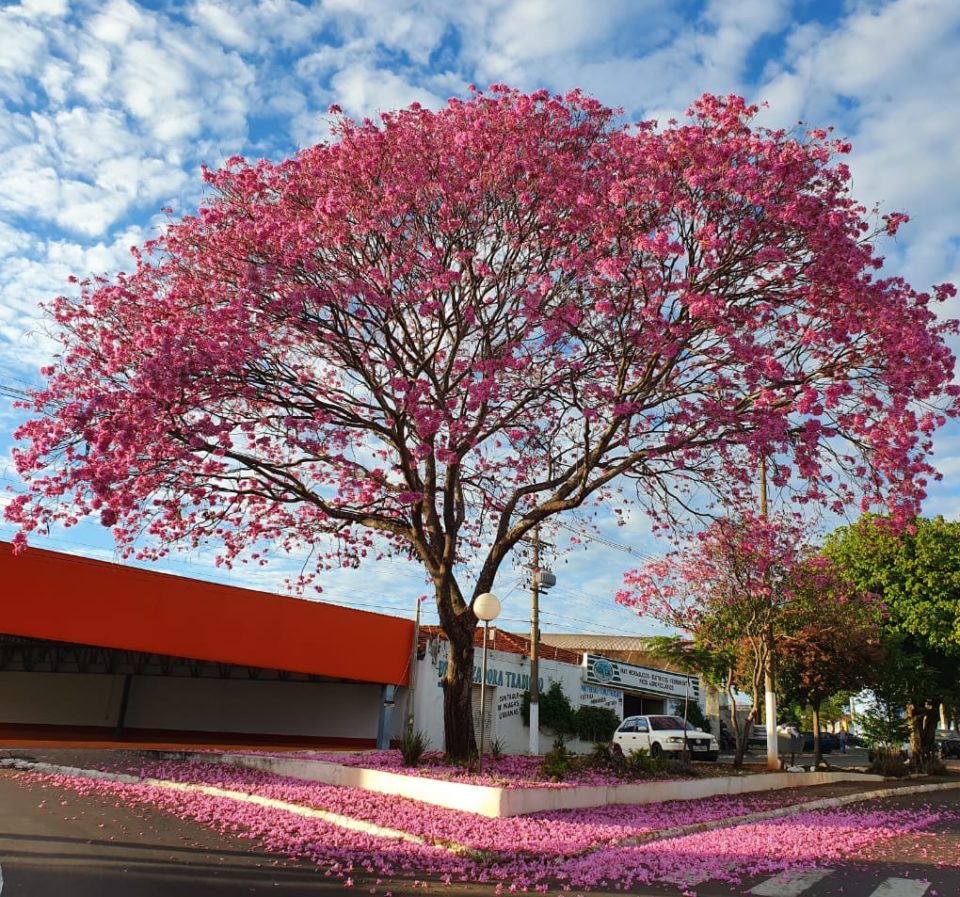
62 597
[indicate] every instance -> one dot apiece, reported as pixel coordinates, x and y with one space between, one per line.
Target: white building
586 679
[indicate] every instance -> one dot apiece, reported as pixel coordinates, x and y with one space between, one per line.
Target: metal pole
412 688
535 646
769 684
483 693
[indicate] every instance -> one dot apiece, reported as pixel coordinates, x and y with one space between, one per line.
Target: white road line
791 884
1 878
901 887
345 822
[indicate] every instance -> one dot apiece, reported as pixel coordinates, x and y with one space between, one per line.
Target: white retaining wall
496 802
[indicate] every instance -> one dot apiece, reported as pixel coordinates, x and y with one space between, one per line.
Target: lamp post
486 607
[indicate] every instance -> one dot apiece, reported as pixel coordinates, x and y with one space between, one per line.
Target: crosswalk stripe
901 887
791 884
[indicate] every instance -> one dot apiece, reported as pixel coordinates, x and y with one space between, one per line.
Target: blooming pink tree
435 331
728 590
749 594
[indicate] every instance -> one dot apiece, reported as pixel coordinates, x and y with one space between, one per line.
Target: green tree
717 652
828 639
916 572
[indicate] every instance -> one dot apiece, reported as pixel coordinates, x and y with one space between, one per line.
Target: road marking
336 819
346 822
1 878
792 884
901 887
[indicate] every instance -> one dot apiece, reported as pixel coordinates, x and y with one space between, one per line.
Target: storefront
104 651
642 689
586 680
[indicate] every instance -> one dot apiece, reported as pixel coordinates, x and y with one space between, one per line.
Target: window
666 723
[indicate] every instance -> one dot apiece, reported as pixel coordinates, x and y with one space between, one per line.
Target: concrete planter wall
490 801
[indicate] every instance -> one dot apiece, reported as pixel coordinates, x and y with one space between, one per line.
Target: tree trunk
817 749
739 735
460 741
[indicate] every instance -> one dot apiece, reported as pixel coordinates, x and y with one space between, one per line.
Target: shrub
640 765
412 747
883 727
557 762
934 767
680 768
556 711
595 724
887 761
604 758
695 716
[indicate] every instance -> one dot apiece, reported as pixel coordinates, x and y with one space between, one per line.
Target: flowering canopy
751 594
433 332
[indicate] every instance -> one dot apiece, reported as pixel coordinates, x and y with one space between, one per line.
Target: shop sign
627 676
600 696
496 676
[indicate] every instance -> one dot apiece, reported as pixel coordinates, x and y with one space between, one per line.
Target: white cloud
225 25
364 91
116 21
886 76
40 8
24 46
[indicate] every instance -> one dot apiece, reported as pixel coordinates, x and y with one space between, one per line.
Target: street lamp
486 607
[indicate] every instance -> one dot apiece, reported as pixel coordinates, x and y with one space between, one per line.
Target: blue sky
110 108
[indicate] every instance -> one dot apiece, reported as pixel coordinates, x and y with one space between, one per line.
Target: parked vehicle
828 742
664 735
949 745
758 737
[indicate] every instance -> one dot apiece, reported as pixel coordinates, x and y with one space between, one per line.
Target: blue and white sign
648 680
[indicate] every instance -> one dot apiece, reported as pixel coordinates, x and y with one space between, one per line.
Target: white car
659 734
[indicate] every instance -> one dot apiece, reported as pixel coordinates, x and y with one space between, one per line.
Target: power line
13 393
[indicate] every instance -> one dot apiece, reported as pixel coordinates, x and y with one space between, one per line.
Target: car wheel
655 750
617 749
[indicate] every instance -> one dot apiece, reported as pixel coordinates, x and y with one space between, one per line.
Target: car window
642 726
628 725
663 723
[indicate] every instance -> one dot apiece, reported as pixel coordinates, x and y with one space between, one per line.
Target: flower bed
508 771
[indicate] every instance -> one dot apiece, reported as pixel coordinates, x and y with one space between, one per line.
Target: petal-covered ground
581 848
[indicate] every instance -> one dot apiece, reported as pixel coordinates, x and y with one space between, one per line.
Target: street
72 846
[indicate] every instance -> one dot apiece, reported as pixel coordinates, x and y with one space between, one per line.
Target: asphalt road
89 847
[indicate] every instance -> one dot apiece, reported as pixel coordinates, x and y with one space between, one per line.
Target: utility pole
769 685
412 688
535 646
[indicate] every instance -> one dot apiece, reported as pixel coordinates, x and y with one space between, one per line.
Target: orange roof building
76 634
